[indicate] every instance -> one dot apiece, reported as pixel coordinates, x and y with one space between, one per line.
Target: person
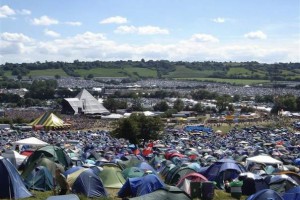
61 181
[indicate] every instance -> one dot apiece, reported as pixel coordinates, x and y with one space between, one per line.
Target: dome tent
11 183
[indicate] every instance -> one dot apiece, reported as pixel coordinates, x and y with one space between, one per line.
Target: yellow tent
48 121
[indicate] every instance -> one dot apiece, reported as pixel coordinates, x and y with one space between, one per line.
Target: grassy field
232 81
142 72
119 72
219 195
238 71
102 72
184 72
47 72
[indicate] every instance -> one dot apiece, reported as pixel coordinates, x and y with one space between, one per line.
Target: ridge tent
40 179
49 121
141 185
112 177
89 184
11 183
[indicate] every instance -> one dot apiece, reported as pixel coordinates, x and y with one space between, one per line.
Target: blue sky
189 30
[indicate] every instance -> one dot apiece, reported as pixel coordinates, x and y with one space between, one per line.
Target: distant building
83 103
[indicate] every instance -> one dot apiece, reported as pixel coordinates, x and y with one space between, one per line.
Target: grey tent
170 193
85 103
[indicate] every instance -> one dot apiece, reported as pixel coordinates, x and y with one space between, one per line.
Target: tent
185 182
292 194
53 153
64 197
223 170
14 157
168 193
40 179
112 177
265 160
141 185
265 194
85 103
49 164
49 121
32 141
89 184
175 175
280 183
11 183
252 183
132 172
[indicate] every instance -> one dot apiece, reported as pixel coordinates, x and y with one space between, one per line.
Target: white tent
264 159
112 116
14 157
31 141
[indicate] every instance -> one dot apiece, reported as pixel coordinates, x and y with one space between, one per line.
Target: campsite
188 162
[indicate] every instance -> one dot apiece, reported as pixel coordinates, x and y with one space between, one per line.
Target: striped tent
49 121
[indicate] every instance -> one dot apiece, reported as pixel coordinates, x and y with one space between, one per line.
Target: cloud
6 11
73 23
114 20
219 20
44 21
90 46
204 38
15 37
142 30
255 35
24 12
51 33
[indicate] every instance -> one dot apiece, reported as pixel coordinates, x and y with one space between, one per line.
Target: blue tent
89 184
40 179
141 185
11 184
145 167
72 170
292 194
265 195
222 170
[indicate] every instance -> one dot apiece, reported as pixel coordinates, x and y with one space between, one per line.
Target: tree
110 104
161 106
178 105
198 108
138 127
223 102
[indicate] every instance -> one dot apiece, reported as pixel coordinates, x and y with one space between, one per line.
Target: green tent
49 164
132 172
112 177
51 152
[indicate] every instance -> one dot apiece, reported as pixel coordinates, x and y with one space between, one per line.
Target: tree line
275 71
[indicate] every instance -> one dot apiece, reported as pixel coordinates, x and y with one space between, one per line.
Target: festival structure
83 103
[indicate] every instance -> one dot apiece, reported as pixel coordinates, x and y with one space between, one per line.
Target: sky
266 31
